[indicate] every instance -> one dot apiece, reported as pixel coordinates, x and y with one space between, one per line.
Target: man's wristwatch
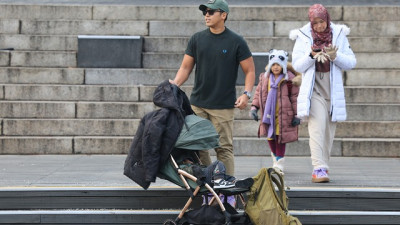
247 93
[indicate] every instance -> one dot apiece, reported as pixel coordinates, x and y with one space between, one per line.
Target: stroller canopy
201 134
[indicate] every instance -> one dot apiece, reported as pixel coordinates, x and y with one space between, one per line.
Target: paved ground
106 171
197 2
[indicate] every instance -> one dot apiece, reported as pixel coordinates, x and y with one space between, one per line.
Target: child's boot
273 160
280 165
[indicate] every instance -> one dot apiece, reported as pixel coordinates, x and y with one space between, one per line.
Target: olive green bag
265 206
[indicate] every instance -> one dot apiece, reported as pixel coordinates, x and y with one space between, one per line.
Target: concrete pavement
107 171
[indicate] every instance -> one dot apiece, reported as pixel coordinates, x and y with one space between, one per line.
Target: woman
320 53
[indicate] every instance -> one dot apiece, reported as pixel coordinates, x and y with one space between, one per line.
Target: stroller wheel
169 222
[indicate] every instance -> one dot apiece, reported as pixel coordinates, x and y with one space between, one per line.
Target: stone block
375 44
69 127
102 145
124 110
4 58
283 28
370 13
20 75
355 112
165 44
264 44
374 28
361 129
275 12
130 76
37 11
84 27
71 93
259 147
40 42
378 94
372 77
149 12
110 51
373 112
188 28
377 60
31 109
245 128
9 26
371 147
162 60
35 145
260 61
43 59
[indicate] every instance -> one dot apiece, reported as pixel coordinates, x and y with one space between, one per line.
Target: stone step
267 28
72 93
244 146
250 28
125 198
130 76
40 42
347 129
128 127
355 77
87 27
162 60
356 112
153 217
167 12
353 94
263 44
70 127
106 76
40 75
178 44
32 109
136 110
42 59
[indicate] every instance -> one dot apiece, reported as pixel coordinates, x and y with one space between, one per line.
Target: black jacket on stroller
157 133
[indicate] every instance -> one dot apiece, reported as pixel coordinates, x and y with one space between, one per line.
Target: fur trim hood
305 30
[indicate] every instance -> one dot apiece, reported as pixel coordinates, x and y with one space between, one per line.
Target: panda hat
280 57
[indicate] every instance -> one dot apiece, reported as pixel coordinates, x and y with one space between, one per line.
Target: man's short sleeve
243 50
190 49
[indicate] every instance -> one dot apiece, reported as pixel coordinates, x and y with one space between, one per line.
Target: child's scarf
270 105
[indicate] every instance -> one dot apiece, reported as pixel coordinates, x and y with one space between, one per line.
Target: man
217 53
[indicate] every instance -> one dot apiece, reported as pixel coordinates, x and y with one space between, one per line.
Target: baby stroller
167 136
199 135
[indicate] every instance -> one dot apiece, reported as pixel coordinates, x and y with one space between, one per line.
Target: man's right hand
172 82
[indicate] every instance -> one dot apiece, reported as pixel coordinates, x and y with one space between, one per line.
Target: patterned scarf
270 105
324 38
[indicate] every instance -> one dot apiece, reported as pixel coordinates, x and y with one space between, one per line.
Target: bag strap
280 184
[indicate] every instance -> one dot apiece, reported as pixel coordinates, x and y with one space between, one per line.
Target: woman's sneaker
320 176
221 184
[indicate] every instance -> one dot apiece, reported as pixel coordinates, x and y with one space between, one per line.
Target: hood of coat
306 30
166 96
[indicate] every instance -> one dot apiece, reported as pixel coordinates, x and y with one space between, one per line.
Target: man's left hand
241 102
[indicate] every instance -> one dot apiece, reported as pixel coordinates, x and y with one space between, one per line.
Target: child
276 96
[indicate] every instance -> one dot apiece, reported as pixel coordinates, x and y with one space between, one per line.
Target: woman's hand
331 52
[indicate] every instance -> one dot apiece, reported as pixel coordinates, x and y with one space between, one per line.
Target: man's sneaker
320 176
245 183
221 184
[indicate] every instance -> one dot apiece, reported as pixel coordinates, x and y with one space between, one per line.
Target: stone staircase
89 205
49 106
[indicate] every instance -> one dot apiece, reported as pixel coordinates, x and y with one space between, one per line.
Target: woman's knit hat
280 57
